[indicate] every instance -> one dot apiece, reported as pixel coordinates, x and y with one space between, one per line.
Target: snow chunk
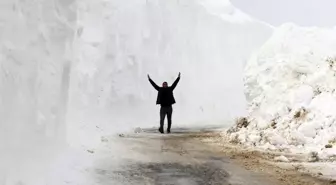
302 96
308 129
281 159
254 138
325 104
276 139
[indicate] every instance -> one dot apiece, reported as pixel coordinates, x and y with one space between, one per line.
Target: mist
74 71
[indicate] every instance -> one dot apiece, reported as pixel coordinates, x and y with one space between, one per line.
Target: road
170 159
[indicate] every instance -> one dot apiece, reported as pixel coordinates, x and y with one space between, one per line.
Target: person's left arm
176 81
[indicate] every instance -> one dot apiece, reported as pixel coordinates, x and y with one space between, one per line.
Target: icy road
179 158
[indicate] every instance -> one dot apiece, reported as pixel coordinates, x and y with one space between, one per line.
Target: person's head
164 84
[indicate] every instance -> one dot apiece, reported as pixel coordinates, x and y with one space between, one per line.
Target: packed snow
73 71
290 87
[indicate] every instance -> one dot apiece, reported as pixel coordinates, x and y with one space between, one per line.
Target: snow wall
120 42
35 55
71 69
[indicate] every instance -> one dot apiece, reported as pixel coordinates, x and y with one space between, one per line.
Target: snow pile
290 86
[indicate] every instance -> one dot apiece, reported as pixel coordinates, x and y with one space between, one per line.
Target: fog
73 71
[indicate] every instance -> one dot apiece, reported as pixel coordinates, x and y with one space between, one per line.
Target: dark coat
165 95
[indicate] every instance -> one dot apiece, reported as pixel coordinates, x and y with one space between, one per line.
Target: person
165 99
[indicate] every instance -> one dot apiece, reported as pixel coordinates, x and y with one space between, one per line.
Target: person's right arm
153 83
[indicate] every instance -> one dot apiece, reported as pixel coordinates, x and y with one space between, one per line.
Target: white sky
302 12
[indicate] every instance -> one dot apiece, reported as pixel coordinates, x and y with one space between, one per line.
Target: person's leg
162 117
169 117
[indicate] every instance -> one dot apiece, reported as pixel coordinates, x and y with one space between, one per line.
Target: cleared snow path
179 158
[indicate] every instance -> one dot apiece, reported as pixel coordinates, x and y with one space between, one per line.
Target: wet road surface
176 159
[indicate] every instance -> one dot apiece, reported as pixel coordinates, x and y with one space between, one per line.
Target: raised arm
176 82
153 84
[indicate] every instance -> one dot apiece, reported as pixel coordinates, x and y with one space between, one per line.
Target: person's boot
161 130
168 128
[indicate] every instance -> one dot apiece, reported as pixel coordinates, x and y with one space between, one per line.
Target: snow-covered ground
290 87
72 71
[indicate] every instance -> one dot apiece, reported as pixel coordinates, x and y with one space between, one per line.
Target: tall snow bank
290 86
35 53
120 42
